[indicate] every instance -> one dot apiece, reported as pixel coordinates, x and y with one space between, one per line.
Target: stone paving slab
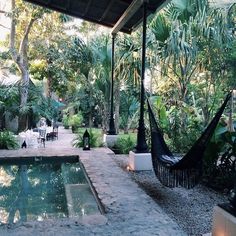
128 209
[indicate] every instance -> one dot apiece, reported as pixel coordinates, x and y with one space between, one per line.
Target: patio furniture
172 170
55 131
42 137
52 135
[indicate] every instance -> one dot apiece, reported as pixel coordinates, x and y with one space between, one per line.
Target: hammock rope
171 170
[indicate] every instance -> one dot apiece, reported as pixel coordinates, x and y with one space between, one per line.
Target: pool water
42 191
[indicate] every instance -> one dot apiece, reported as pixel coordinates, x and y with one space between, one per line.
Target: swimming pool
37 190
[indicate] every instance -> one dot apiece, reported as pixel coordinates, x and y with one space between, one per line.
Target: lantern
86 140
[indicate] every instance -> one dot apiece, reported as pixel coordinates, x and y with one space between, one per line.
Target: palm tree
127 78
184 47
81 60
102 55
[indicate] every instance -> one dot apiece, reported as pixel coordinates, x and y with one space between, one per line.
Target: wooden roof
103 12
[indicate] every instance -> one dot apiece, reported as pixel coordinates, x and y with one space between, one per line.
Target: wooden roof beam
129 12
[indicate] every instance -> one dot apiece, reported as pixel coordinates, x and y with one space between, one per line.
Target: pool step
80 200
72 174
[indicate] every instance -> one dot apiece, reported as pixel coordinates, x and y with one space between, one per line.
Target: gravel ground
192 209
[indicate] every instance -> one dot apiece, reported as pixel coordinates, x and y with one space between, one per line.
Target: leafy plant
180 123
220 163
94 140
65 121
75 121
7 140
124 145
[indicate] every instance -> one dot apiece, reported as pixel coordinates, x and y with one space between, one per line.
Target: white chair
42 136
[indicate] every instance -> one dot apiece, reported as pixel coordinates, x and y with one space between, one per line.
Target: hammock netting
172 170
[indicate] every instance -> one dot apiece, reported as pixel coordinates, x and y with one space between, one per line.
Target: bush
219 169
94 140
65 121
124 145
75 122
8 141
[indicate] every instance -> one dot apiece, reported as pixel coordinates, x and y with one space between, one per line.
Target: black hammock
186 171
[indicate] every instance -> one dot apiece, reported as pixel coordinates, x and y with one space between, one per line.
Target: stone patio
128 209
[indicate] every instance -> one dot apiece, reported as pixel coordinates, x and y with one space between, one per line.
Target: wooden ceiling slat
126 2
68 4
87 7
107 10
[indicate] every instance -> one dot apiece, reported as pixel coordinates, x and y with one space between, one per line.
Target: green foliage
124 144
8 140
129 107
180 123
160 27
75 121
184 127
65 121
94 139
40 106
36 107
9 99
219 162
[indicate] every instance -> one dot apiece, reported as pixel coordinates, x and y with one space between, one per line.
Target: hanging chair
172 170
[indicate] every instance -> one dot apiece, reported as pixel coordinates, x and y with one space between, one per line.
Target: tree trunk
49 87
90 119
24 90
20 57
105 116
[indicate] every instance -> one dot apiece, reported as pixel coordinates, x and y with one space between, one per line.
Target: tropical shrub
181 124
75 121
8 141
123 145
65 121
219 169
